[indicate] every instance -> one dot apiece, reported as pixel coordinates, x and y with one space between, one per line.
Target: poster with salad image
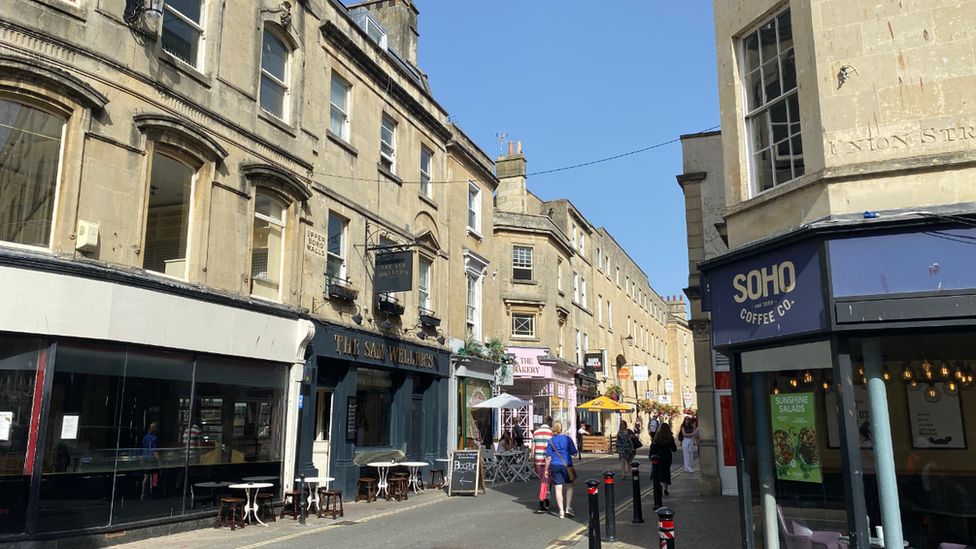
795 451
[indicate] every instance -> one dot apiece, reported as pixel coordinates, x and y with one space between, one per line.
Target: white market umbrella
503 400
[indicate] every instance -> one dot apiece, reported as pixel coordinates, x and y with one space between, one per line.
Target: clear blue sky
577 81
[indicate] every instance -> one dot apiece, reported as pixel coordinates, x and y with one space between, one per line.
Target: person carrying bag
559 467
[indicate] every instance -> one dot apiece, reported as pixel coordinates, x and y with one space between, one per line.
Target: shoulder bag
570 470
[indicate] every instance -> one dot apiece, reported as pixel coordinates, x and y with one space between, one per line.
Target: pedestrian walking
664 448
687 435
583 431
559 466
625 446
652 427
540 441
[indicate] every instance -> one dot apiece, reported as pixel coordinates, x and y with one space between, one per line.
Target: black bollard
638 512
301 501
656 478
665 527
611 506
594 501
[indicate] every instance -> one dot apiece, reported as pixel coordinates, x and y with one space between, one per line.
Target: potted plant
614 391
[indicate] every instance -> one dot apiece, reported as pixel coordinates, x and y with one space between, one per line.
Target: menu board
352 408
69 427
795 448
935 424
466 473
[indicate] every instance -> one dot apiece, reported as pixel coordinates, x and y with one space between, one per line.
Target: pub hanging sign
393 272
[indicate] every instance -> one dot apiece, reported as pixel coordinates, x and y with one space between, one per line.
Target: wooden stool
434 474
366 489
229 510
399 486
265 503
290 505
330 503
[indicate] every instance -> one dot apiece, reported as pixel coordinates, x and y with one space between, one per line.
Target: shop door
726 444
323 427
415 445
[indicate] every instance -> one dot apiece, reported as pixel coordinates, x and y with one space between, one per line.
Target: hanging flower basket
614 392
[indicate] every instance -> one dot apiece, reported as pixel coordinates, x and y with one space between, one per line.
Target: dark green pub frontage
853 345
366 396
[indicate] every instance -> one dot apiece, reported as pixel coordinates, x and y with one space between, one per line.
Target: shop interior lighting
906 374
932 393
944 370
913 385
957 373
794 383
775 389
951 388
886 375
826 385
807 377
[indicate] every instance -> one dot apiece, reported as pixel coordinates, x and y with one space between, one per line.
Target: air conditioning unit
87 236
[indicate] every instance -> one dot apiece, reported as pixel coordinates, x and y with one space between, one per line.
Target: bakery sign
773 294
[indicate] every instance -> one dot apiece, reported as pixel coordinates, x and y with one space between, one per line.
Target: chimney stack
511 195
399 19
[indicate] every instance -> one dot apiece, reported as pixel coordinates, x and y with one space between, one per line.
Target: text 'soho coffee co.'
768 295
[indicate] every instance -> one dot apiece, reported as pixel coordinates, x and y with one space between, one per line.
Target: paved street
501 518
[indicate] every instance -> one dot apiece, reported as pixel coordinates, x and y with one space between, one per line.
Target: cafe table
313 496
414 467
250 506
212 486
383 469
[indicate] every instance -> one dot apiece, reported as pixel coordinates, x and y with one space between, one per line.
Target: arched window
275 69
30 166
267 245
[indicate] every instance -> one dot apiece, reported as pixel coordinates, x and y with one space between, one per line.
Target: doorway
323 430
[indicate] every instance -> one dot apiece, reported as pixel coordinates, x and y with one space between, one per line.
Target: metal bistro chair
520 467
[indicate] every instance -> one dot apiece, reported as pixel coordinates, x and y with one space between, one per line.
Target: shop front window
790 421
374 399
19 361
926 385
475 423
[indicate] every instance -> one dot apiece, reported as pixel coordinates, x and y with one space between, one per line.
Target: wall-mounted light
134 9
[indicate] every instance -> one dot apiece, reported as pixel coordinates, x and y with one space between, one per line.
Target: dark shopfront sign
380 351
773 294
592 363
393 272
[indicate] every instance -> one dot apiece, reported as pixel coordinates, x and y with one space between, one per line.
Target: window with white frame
582 244
607 266
267 245
30 164
475 268
559 347
472 304
559 274
522 262
579 347
523 325
182 33
424 269
474 207
586 345
576 289
599 309
618 277
335 267
339 109
772 107
583 300
575 241
388 143
426 171
275 61
609 315
599 259
171 180
629 333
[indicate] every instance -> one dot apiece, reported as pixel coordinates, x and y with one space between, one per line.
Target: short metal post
665 527
611 506
301 501
594 502
638 512
656 478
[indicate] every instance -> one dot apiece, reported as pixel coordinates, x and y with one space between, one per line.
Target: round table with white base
251 507
383 468
414 467
313 496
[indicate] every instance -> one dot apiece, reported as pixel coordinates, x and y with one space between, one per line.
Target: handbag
570 470
636 442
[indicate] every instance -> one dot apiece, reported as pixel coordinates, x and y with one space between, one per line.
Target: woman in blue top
559 458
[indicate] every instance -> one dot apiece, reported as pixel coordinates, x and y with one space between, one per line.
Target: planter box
341 291
428 319
389 306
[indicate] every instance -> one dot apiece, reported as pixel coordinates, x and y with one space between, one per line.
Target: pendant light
913 385
807 377
794 383
944 370
826 384
951 387
927 371
907 375
886 375
775 389
932 393
957 372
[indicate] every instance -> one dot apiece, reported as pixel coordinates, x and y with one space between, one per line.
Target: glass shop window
792 445
374 398
19 360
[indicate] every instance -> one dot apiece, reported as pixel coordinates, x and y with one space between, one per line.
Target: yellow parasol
604 404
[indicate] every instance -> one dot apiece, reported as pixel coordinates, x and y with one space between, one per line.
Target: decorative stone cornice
49 76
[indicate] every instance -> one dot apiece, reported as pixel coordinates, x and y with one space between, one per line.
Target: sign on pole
393 272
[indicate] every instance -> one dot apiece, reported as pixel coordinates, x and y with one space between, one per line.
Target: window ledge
343 144
430 201
60 5
189 70
388 174
525 338
276 122
474 233
526 282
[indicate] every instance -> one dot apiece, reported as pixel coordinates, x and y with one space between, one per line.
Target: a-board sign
466 474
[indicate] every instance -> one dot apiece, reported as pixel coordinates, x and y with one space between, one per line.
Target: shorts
559 474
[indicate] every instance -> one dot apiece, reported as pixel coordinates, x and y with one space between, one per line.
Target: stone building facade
847 147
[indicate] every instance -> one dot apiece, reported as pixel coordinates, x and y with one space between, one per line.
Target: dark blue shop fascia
333 360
